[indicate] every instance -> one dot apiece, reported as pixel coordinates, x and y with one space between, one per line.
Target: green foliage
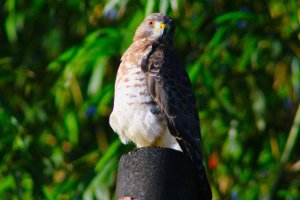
58 62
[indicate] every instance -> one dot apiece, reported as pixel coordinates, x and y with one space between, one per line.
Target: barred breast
135 116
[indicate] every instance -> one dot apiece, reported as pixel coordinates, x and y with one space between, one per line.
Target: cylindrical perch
154 173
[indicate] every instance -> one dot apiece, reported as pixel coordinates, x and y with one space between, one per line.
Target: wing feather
171 88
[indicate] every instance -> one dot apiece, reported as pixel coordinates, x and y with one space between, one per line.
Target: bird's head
157 27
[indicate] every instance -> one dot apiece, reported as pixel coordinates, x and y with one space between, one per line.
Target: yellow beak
162 26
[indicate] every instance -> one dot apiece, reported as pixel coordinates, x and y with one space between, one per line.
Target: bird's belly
135 116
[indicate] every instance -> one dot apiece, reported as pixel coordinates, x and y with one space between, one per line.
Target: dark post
154 173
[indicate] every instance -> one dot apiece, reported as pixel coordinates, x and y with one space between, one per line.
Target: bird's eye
151 23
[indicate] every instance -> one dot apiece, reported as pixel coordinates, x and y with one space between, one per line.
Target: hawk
154 103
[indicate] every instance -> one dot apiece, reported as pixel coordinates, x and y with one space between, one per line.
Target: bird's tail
194 153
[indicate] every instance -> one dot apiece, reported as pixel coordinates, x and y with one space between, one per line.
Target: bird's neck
157 42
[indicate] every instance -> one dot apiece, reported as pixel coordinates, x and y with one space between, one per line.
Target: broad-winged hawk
154 102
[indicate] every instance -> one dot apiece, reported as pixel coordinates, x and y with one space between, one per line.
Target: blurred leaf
56 64
217 37
250 44
72 127
11 28
295 76
232 148
149 7
236 15
97 188
6 183
111 152
163 6
97 75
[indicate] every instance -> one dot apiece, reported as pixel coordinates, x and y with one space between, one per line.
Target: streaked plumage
154 102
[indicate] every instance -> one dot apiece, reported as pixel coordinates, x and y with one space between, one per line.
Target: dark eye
151 23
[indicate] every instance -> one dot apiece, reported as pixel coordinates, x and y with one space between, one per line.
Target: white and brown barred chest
135 116
131 86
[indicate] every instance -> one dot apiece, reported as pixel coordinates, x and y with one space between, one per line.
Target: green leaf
11 28
62 59
149 7
72 127
217 37
109 154
97 75
249 49
7 183
163 6
233 16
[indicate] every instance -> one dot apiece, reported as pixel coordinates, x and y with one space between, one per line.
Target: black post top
154 173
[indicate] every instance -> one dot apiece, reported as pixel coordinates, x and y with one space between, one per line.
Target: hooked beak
160 28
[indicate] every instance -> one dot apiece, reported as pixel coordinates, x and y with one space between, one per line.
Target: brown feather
171 88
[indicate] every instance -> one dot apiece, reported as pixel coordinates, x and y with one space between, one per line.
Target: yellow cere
162 25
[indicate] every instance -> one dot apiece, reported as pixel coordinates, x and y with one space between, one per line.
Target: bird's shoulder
137 49
164 58
169 82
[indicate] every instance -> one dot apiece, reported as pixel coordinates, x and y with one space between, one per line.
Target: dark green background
58 61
